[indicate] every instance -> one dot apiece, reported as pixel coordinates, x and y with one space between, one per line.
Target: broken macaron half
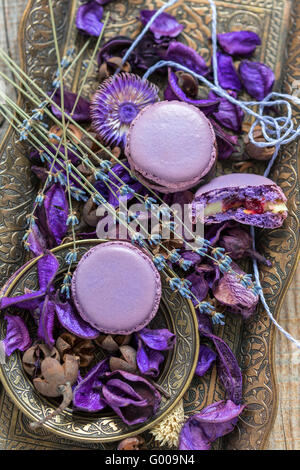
247 198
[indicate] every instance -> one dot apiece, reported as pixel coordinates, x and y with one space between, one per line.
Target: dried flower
117 102
167 431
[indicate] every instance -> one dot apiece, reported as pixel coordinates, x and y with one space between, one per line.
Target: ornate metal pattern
253 340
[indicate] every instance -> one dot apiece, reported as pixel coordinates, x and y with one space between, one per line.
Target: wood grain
286 430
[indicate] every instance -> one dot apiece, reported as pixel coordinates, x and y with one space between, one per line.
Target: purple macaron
171 146
116 288
247 198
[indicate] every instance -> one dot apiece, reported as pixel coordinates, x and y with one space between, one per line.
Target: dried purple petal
164 25
86 395
160 340
206 358
185 55
208 106
28 301
227 74
36 242
232 293
148 360
57 211
132 397
240 43
81 112
47 267
228 114
17 336
199 287
115 47
119 173
47 322
227 143
88 18
203 428
238 244
257 78
228 369
71 321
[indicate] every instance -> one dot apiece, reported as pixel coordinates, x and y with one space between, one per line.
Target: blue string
282 127
276 131
145 29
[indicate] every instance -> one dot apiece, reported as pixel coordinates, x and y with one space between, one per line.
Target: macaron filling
116 288
171 146
261 205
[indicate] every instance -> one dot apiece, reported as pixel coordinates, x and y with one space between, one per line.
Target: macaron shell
237 180
171 143
116 288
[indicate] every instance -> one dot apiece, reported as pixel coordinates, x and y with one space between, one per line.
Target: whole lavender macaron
116 288
247 198
171 146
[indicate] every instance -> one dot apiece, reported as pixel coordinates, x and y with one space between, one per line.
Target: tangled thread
277 131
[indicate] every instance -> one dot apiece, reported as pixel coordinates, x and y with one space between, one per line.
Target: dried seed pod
116 151
257 153
132 443
89 213
109 67
58 131
67 394
67 343
33 357
111 343
127 362
188 84
54 374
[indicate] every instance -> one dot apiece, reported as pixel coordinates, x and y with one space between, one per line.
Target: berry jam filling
252 206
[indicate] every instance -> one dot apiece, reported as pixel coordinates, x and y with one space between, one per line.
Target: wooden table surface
286 431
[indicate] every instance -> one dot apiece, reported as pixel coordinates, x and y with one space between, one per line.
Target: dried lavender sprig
223 267
173 282
72 219
219 262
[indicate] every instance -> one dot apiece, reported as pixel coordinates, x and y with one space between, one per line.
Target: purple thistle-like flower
117 102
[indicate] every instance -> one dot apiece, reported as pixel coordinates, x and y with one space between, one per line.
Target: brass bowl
175 313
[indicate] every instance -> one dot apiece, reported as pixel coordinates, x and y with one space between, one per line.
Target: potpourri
83 170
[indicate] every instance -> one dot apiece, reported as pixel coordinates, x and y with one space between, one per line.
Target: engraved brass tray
253 340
